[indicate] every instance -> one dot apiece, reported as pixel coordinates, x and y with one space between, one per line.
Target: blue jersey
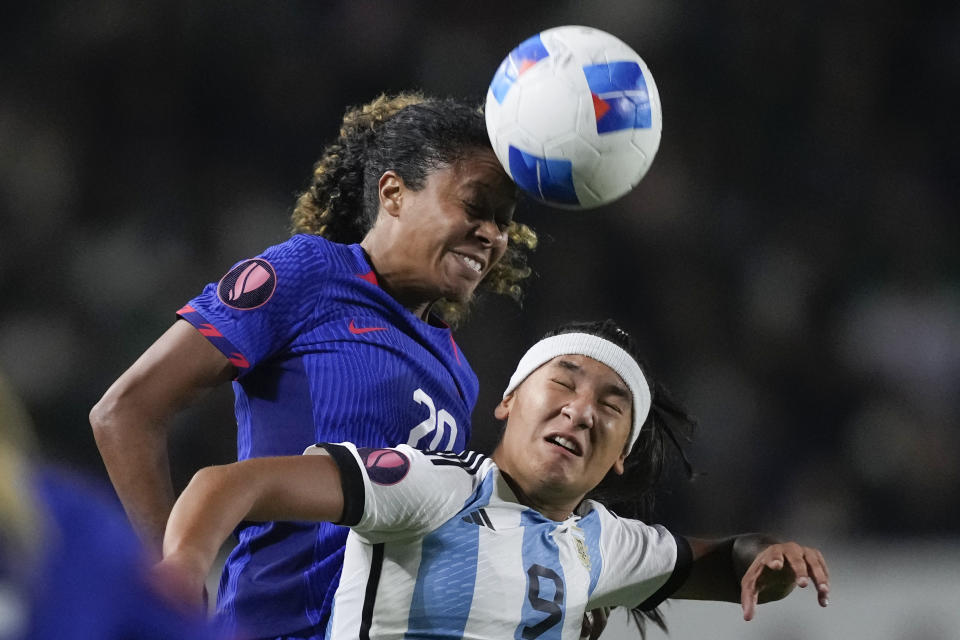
323 354
89 580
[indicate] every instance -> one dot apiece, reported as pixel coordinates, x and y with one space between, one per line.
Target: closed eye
481 212
563 383
477 210
613 407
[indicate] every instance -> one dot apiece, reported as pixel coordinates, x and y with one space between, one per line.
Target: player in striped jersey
462 546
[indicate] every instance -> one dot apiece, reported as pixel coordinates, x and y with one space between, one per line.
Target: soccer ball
574 116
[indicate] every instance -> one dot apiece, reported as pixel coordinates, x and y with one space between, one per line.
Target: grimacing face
567 427
455 227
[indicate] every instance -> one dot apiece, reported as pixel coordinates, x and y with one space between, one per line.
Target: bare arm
752 569
131 421
260 489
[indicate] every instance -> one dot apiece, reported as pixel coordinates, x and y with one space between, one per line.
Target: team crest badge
384 466
582 552
248 285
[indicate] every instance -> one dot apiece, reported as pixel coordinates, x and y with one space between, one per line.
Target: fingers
808 565
594 622
756 581
600 617
820 576
749 591
796 559
776 569
823 594
773 557
748 602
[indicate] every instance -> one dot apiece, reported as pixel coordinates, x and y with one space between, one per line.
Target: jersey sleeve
642 564
397 493
261 304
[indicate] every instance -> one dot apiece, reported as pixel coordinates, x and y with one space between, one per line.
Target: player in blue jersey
451 546
335 334
70 567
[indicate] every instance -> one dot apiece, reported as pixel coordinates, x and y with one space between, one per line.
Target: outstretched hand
777 569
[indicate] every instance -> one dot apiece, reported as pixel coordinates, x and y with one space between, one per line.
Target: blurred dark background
791 263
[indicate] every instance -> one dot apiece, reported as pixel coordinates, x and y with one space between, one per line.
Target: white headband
601 350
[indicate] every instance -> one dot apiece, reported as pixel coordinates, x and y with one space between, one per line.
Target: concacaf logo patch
248 285
384 466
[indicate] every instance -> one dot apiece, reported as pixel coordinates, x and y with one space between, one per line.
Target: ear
618 463
391 188
502 410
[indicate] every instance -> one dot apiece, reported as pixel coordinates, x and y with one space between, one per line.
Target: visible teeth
565 443
473 264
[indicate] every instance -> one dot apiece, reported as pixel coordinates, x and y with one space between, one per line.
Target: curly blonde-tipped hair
332 206
412 135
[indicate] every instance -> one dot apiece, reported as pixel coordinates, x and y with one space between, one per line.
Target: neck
394 280
554 507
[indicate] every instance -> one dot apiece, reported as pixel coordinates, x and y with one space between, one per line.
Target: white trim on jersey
443 546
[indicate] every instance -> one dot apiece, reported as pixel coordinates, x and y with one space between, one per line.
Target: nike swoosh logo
358 330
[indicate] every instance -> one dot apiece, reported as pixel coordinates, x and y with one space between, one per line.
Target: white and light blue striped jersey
441 548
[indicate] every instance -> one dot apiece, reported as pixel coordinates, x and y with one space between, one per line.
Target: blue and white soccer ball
574 116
